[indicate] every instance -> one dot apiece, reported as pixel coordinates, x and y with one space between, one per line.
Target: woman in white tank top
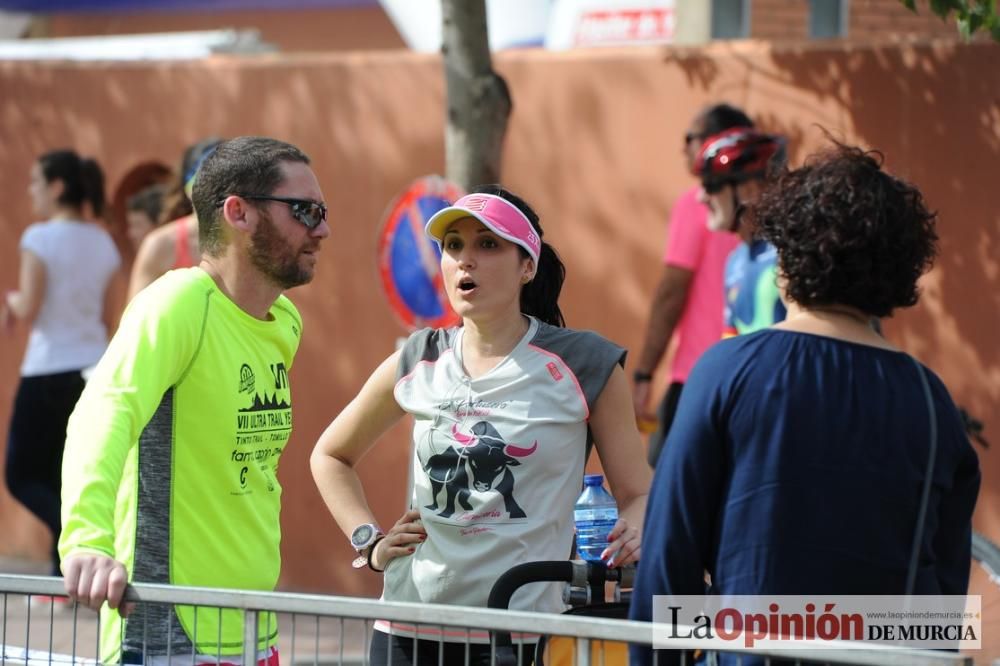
504 408
66 268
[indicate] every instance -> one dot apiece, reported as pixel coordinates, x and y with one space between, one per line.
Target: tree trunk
478 98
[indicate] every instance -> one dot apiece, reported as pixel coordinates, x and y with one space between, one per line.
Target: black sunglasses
310 214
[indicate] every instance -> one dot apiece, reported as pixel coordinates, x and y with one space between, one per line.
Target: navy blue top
795 466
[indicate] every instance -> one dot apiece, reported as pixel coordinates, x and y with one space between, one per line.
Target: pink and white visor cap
499 215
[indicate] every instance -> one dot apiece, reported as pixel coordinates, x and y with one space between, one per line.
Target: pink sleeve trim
412 372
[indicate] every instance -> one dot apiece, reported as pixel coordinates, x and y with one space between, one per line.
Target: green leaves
971 16
942 7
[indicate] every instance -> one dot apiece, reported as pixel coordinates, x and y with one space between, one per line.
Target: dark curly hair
848 233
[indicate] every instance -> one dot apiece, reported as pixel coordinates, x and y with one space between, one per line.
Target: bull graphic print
481 462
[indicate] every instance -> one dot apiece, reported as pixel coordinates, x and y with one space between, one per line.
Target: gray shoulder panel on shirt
591 357
425 345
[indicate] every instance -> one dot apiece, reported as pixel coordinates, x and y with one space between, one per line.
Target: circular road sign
409 262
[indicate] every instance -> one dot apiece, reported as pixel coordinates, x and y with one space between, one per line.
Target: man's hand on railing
92 579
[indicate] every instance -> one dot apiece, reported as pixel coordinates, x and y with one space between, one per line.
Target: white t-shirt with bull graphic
498 463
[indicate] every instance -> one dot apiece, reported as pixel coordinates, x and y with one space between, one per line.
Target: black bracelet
371 551
639 376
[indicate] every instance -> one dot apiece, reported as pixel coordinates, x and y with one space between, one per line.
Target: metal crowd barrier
326 630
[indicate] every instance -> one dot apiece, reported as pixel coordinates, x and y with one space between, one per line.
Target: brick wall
881 19
867 20
779 19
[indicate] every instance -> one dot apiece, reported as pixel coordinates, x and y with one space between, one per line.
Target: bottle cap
593 479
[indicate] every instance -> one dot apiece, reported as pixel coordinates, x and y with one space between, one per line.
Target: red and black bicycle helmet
737 155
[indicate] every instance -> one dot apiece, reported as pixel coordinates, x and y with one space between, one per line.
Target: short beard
272 255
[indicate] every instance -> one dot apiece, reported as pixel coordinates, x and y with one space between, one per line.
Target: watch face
362 535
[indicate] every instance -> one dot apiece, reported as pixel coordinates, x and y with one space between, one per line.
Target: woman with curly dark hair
798 458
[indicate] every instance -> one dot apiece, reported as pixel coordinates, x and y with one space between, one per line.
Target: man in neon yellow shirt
169 473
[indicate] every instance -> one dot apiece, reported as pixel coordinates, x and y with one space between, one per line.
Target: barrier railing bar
76 617
473 617
583 652
250 638
194 633
341 642
316 648
170 633
27 631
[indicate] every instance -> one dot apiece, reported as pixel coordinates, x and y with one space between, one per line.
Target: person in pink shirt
688 301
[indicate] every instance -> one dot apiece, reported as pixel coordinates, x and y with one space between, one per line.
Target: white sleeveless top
498 466
80 259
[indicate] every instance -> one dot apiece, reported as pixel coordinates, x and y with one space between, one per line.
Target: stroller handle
529 572
580 574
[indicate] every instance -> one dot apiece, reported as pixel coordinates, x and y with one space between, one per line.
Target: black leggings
35 444
665 418
389 650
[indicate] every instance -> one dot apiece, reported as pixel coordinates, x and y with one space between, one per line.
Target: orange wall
594 143
291 31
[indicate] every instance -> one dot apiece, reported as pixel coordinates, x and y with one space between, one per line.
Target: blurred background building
292 26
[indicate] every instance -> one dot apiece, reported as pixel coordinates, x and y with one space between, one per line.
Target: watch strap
371 551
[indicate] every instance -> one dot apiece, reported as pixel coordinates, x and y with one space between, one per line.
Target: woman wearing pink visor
505 408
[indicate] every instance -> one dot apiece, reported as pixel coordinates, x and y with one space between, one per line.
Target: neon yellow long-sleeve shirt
171 459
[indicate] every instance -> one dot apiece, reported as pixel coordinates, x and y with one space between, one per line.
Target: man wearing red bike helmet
733 166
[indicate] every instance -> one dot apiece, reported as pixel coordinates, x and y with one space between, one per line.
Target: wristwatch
362 538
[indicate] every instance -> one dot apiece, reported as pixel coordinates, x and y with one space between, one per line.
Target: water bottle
595 514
